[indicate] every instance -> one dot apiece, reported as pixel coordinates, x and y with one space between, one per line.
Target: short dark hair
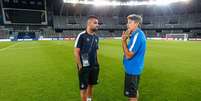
92 17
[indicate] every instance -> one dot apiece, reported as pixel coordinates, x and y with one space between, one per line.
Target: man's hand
77 57
126 34
79 67
124 37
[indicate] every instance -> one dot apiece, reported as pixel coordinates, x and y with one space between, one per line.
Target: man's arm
97 56
77 57
128 54
97 48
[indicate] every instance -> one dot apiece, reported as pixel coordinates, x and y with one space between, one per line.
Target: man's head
92 23
134 21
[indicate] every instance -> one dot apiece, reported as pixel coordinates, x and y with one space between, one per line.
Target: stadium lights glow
130 3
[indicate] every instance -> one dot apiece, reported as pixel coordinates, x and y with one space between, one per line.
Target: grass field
45 71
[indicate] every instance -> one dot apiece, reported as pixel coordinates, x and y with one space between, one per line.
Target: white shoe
89 99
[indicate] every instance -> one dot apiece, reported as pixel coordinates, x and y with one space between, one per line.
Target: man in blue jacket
134 52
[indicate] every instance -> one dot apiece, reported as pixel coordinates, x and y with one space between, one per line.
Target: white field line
35 47
3 49
32 47
21 48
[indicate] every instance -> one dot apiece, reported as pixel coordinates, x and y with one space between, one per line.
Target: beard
94 29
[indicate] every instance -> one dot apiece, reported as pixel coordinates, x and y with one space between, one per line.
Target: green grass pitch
45 71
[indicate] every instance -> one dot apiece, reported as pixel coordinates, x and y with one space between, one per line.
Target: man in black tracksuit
86 46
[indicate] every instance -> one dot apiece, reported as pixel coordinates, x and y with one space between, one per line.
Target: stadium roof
124 3
194 6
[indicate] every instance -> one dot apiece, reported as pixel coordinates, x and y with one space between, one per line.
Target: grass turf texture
45 71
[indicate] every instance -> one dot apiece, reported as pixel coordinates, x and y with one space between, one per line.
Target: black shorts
131 85
88 76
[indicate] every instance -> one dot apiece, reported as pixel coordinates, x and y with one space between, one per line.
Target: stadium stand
66 20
